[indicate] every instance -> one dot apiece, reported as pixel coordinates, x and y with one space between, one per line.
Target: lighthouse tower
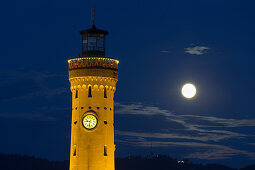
93 79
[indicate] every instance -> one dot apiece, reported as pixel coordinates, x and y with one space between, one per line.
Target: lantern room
93 42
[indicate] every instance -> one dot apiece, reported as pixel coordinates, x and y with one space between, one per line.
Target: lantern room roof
93 29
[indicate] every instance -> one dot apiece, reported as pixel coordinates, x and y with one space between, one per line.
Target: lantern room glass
93 45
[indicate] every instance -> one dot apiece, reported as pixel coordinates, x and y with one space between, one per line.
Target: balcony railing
93 62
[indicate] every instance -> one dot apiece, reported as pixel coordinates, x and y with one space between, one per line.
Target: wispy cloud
28 116
38 114
139 109
222 122
190 121
202 150
212 151
164 51
189 130
252 144
197 50
205 136
25 84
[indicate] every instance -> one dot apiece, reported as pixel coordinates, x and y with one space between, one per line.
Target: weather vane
93 15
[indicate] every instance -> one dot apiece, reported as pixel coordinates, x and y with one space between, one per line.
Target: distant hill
250 167
160 162
16 162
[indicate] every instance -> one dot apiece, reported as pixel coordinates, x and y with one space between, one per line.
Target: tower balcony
93 62
93 67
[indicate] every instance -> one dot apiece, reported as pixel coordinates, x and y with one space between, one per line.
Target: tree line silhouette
158 162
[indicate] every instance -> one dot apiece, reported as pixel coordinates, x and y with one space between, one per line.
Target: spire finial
93 15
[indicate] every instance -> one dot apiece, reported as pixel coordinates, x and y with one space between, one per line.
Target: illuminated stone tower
93 78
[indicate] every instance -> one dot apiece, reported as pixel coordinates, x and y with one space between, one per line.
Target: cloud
197 50
28 116
30 89
139 109
190 121
37 114
222 122
252 144
202 150
204 132
17 84
205 136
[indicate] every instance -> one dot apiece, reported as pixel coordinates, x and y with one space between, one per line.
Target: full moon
189 90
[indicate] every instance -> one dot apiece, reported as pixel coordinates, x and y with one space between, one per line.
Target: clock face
89 122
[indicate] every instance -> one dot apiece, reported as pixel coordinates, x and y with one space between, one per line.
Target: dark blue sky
160 45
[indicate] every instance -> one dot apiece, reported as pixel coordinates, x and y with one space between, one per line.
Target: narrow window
90 94
74 153
105 150
76 94
105 94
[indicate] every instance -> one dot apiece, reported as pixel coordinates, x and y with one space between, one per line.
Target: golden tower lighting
93 79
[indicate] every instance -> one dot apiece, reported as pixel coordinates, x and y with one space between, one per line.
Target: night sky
160 45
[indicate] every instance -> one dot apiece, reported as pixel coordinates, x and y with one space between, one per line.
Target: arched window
74 152
90 93
76 94
105 150
105 93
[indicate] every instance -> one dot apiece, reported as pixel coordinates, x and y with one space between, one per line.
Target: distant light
189 90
